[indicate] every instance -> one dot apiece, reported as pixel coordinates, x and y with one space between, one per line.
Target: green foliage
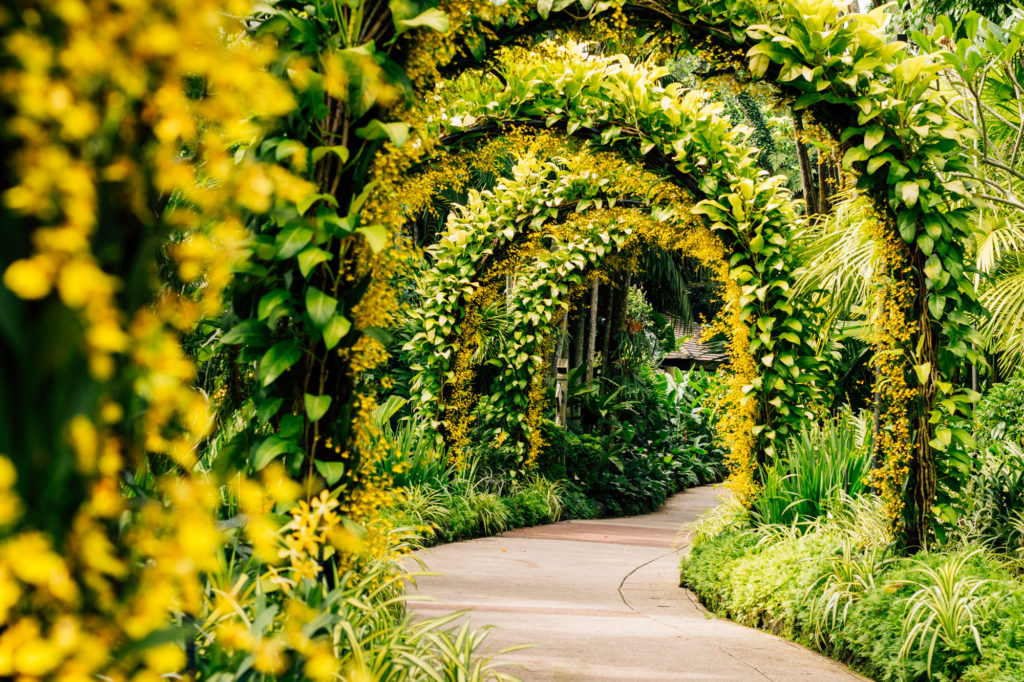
576 505
838 587
597 96
411 456
703 569
851 575
1000 413
919 16
818 465
537 502
992 504
664 442
470 506
489 510
983 83
423 508
366 621
944 608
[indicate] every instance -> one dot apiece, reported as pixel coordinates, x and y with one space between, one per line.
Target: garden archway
873 97
706 154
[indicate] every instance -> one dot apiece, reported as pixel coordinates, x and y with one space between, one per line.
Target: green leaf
331 471
909 192
965 437
309 259
933 267
267 451
279 358
335 330
378 334
432 18
376 236
855 154
544 8
292 240
873 136
267 409
320 306
316 405
923 371
396 131
271 302
926 243
287 148
338 150
249 332
943 437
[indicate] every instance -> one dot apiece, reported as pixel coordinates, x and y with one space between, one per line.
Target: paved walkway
601 601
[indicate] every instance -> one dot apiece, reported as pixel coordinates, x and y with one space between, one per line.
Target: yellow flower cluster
66 612
313 534
458 408
535 409
470 22
892 329
129 121
363 492
738 417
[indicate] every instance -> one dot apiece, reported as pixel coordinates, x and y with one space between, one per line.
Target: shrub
463 520
992 502
422 508
1000 414
577 505
944 608
832 585
362 622
534 503
410 454
816 466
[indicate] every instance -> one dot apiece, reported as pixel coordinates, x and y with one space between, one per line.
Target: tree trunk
616 323
606 333
923 472
592 332
578 325
806 172
560 346
828 182
876 424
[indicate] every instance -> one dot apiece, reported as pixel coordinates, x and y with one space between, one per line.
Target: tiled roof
692 349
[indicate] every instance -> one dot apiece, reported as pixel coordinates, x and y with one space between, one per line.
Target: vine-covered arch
873 97
673 131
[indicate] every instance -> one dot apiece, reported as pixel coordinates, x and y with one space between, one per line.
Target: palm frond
1003 297
838 254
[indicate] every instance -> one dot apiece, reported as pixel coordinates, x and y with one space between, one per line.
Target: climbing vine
698 160
873 97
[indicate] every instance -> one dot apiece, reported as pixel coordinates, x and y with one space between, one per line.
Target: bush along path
600 600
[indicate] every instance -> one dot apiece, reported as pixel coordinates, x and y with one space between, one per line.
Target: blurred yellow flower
29 278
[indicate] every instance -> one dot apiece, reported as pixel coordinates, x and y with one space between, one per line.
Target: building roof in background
692 349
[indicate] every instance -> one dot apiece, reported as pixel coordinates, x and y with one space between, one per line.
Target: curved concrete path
601 601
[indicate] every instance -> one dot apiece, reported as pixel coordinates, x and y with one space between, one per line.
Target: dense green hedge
772 581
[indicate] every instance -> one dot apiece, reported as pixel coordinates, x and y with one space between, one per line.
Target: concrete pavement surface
600 600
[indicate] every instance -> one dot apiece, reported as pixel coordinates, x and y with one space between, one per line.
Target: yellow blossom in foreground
29 278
